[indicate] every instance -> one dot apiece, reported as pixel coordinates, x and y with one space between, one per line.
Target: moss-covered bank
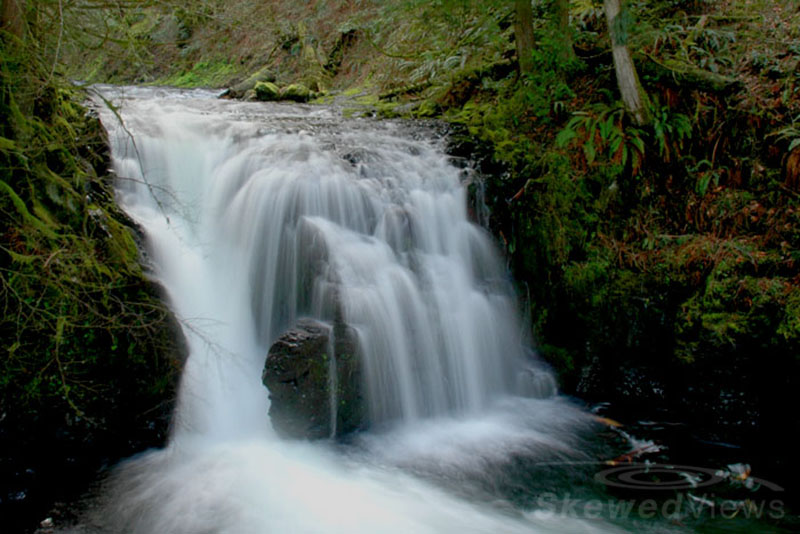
90 353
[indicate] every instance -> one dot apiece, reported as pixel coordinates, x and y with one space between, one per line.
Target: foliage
426 41
74 298
202 74
670 130
603 129
790 133
654 246
89 361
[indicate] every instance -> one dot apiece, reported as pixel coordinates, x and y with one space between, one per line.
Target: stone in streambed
297 373
297 92
267 91
241 89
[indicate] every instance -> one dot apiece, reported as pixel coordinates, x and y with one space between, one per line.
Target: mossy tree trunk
630 88
523 35
560 14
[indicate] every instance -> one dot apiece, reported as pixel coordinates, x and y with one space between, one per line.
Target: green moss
267 91
74 295
562 359
214 73
353 92
789 327
296 92
427 109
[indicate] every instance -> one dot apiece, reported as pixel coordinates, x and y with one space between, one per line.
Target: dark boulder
313 375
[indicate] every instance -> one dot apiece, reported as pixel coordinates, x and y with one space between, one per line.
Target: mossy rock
296 92
241 89
427 109
267 91
318 87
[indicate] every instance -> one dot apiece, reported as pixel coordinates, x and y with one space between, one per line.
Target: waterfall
257 215
302 218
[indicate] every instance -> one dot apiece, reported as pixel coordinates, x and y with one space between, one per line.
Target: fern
670 130
789 133
602 131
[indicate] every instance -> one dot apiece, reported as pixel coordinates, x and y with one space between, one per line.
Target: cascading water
258 214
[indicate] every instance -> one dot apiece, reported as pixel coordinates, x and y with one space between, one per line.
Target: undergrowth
659 245
89 351
74 296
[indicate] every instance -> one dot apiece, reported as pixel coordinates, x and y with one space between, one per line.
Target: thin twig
150 186
60 37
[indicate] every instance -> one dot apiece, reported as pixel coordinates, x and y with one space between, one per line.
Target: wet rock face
312 373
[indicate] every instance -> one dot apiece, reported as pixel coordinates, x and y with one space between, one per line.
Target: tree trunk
633 94
523 35
560 13
12 19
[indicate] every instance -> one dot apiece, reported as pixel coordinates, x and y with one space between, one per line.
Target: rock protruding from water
267 91
241 89
312 373
296 92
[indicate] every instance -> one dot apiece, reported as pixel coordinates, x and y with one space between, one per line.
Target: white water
258 214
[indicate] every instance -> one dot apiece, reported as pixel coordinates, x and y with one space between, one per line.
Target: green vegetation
202 74
89 351
669 246
266 91
666 250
